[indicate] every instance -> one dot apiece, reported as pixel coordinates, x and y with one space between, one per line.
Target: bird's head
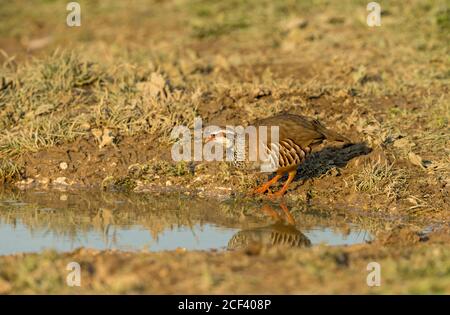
220 135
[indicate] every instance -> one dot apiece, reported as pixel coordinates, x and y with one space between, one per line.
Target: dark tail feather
330 134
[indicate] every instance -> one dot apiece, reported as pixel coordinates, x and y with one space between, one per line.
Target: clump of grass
217 18
443 20
9 170
123 184
164 168
380 178
439 114
39 105
218 29
156 168
57 99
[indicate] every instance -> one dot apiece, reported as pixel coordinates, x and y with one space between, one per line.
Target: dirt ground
92 107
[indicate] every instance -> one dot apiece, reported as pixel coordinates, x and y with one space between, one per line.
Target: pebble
60 181
26 182
43 181
63 165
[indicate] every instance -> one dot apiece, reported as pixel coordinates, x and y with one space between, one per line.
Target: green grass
9 170
378 177
53 101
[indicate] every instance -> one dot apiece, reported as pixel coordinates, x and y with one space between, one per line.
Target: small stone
63 165
25 182
60 181
43 181
168 183
63 197
85 126
38 43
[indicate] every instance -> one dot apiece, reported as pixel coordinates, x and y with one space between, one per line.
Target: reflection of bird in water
277 234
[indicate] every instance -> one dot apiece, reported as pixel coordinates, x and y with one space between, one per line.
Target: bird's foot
275 196
260 190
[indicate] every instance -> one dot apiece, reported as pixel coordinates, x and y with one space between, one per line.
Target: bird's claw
260 190
277 195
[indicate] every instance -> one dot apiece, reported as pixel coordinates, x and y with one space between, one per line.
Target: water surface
35 221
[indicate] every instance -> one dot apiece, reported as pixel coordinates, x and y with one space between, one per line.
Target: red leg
270 211
288 215
281 192
263 188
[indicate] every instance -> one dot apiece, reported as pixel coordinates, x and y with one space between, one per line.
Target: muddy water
34 221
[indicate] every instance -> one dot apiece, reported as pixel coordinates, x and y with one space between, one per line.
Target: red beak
209 138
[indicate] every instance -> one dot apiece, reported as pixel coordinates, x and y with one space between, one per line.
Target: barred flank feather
272 235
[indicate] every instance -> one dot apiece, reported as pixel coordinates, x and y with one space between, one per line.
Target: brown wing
302 130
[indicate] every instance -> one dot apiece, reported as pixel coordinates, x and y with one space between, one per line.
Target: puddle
34 221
